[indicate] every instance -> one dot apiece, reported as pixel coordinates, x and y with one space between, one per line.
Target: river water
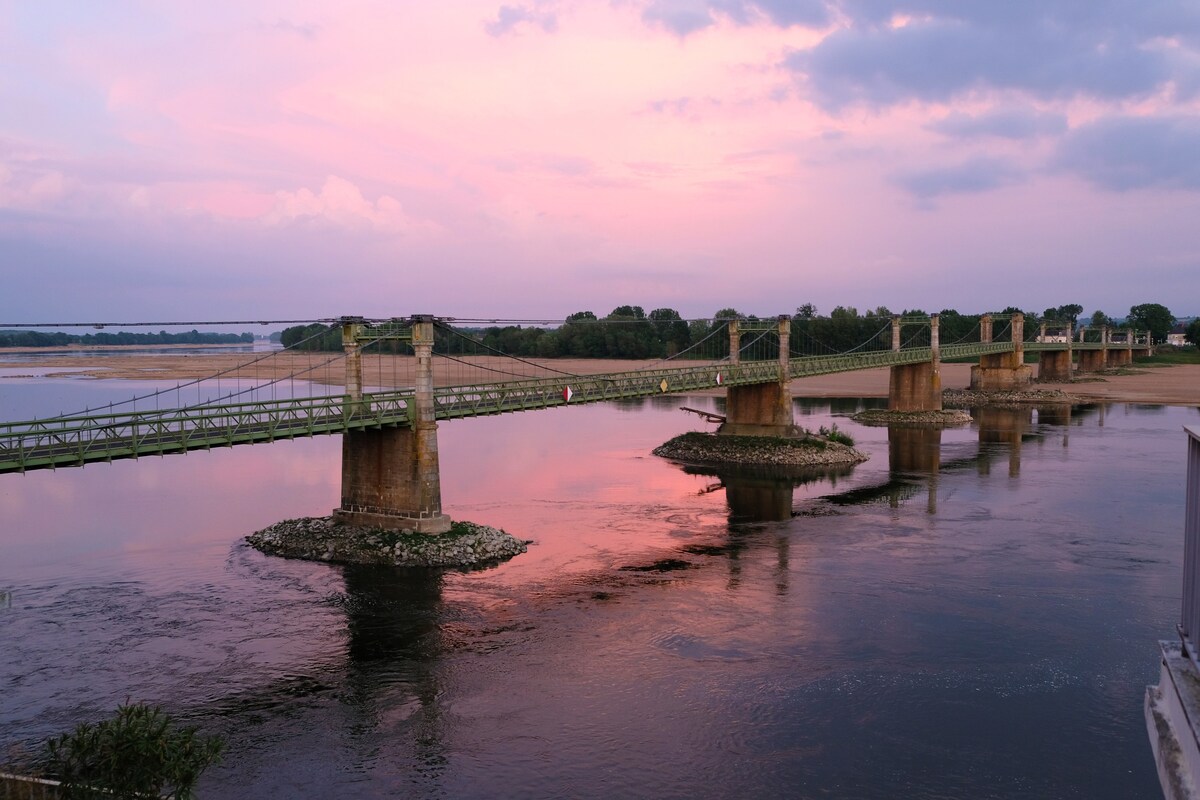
970 614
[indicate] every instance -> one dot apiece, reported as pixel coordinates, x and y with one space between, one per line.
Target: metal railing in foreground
20 787
1189 624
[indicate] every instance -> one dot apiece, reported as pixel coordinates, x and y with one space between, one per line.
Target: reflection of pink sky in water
581 482
785 629
164 507
544 475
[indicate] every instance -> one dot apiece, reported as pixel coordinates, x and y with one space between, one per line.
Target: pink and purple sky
533 158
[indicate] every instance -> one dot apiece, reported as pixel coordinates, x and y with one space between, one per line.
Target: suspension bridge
422 369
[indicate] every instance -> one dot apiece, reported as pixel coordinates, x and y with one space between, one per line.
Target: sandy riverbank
1170 385
1177 385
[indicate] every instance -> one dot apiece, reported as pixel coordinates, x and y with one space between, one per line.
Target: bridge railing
78 439
63 441
474 400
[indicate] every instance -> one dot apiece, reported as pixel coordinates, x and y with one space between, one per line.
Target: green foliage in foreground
138 753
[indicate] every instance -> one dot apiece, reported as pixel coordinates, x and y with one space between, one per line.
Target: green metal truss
72 441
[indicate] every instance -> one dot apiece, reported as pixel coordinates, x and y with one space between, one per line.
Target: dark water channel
966 615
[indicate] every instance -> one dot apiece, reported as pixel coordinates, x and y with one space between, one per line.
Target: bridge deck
80 439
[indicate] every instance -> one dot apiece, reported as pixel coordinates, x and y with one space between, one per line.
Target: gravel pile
715 450
966 398
324 539
879 416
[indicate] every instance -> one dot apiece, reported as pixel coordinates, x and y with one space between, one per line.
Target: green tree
312 337
806 311
1099 319
1065 313
628 334
1192 332
955 327
581 337
671 330
1152 317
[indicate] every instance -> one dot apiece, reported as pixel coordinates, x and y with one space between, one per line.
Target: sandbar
1165 385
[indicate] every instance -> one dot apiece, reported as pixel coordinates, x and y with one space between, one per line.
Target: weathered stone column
918 387
390 476
763 409
735 343
935 341
1002 371
896 333
1018 339
353 359
985 329
785 350
1054 366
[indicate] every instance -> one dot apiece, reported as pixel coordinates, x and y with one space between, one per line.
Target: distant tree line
23 338
629 332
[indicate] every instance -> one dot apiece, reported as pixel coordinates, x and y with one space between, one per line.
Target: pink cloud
574 147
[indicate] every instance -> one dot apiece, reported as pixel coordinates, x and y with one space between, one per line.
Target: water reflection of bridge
915 460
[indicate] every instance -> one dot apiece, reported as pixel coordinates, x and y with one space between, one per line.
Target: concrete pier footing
390 476
1054 366
390 479
760 409
915 387
1093 360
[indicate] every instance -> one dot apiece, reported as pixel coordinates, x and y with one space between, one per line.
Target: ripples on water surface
970 617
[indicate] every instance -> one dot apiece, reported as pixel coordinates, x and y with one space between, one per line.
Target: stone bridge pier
1094 360
761 409
1054 366
390 476
916 387
999 372
1120 356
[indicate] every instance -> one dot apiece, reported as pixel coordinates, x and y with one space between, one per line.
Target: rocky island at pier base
878 417
465 545
715 450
